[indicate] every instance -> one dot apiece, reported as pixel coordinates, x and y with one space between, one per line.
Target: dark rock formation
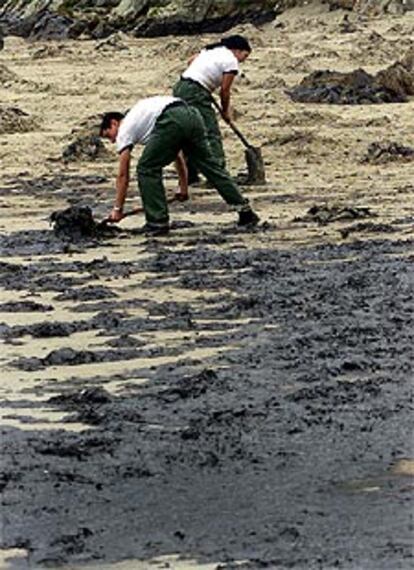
376 7
60 19
391 85
355 88
50 26
373 7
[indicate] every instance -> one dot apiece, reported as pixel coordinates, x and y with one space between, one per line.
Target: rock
373 7
50 26
59 19
342 4
195 17
391 85
377 7
355 88
130 9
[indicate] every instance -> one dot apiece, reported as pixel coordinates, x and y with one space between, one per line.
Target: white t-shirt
210 64
138 123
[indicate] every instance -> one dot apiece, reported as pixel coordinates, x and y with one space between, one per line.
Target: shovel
106 222
255 165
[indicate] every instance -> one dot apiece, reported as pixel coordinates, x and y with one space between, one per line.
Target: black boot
159 229
248 218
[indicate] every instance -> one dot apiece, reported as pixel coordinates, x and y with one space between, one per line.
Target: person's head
110 125
237 44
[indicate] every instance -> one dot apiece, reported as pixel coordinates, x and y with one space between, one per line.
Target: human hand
115 216
227 116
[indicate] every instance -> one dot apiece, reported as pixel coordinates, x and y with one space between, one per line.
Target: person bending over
167 127
215 67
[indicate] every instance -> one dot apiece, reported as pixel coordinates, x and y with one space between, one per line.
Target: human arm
122 182
192 58
226 83
182 171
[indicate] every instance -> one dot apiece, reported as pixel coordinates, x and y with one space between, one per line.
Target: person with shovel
167 127
214 67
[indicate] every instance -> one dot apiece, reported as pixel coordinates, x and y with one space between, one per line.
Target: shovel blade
255 167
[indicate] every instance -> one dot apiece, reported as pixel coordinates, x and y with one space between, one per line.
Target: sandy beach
218 398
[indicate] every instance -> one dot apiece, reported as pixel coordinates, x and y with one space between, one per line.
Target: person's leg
161 149
213 133
200 151
188 92
200 98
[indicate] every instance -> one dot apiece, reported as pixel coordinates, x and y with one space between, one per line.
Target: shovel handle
232 125
141 209
133 212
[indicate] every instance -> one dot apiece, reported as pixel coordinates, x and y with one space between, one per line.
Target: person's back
140 120
208 66
167 127
214 67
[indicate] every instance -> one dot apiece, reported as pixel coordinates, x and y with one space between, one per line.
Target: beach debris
383 152
326 214
14 120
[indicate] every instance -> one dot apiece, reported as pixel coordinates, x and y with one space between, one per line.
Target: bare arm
225 89
192 58
122 182
182 172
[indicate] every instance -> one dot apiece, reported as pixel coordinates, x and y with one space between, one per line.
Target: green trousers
180 127
196 96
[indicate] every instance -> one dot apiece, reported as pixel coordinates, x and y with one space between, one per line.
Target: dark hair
232 42
108 118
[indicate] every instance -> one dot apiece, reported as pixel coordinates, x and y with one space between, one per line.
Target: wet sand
220 398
